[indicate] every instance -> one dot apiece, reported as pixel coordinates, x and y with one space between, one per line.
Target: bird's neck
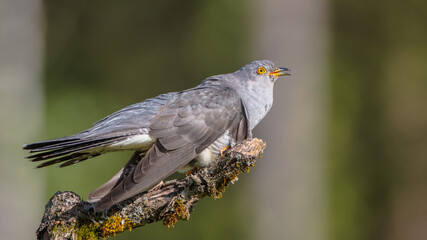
257 104
257 97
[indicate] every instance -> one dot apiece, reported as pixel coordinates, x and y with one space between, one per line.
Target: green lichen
109 227
88 231
115 225
58 229
220 188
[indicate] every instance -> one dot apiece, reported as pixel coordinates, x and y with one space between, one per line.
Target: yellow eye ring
261 70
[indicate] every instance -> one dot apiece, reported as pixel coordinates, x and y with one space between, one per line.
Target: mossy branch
68 217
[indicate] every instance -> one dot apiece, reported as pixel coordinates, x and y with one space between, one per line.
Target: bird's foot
192 170
223 150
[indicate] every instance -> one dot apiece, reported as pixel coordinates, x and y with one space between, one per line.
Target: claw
223 150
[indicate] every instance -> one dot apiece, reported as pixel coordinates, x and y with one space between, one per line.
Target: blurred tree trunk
21 48
293 34
379 120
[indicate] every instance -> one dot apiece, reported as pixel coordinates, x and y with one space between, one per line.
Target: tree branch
66 216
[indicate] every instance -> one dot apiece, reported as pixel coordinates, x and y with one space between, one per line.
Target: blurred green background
347 136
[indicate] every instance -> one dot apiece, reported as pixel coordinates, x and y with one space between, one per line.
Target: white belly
210 154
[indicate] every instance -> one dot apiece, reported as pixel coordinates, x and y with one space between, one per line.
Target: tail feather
40 145
71 148
61 159
68 151
52 146
79 159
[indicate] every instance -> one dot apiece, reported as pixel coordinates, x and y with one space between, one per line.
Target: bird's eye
261 70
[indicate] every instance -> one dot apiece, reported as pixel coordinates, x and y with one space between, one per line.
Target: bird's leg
192 170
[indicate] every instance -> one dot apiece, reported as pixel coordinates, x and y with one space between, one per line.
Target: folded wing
184 127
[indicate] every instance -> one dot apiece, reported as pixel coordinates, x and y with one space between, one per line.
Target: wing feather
184 127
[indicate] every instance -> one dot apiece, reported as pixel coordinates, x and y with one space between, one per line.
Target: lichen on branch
67 216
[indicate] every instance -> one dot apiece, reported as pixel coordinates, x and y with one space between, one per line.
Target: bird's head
262 71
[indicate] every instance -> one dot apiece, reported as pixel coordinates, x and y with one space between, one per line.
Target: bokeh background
346 153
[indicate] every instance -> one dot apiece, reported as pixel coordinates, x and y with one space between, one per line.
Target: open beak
280 72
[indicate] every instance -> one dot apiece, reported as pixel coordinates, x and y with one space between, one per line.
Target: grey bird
173 131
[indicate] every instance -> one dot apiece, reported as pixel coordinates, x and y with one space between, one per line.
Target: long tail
68 150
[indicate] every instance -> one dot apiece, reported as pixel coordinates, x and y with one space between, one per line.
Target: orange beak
280 72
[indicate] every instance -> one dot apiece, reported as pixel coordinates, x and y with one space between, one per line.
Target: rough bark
66 216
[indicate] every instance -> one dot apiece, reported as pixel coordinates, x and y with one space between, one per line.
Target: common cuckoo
173 131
